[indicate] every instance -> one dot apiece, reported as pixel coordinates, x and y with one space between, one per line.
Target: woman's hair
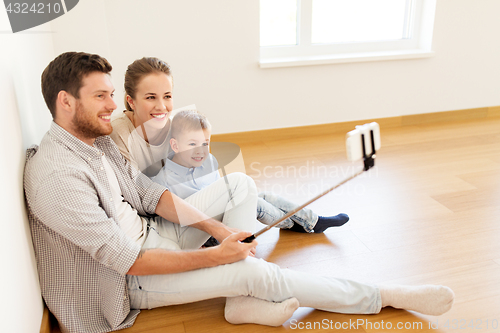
188 120
137 70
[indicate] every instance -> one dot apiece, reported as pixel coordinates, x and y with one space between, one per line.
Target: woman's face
153 100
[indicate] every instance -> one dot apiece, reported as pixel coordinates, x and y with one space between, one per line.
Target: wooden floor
428 213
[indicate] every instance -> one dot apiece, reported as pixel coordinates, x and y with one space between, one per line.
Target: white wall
213 47
22 58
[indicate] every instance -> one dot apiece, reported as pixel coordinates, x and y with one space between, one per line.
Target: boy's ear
173 144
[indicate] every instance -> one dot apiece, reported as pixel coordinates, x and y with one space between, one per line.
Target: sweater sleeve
120 136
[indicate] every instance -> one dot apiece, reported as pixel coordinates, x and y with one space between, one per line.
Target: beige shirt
143 156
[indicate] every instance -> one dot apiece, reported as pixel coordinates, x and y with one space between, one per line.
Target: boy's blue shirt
183 181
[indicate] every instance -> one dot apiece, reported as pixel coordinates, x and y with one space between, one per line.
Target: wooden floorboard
428 213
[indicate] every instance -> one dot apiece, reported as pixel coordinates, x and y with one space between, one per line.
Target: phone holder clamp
369 161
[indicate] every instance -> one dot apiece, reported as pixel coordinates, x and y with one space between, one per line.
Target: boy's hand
232 249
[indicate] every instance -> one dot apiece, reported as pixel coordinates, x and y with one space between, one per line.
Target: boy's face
191 147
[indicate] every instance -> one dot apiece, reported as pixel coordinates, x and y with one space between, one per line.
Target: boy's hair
188 120
140 68
66 72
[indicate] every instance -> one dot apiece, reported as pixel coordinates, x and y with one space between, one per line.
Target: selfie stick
369 162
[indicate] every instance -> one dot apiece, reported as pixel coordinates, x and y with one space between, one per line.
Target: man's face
191 148
94 107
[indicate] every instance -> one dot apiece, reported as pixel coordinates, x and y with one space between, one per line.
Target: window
303 32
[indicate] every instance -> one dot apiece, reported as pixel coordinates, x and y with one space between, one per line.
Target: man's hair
137 70
66 72
188 120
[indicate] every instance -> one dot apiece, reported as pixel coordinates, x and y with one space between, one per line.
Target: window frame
417 45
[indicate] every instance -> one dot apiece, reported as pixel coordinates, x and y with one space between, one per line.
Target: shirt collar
182 170
76 145
177 168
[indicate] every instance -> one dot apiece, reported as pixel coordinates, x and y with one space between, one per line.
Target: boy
190 167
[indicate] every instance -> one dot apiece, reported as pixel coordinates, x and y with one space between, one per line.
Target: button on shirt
185 182
82 254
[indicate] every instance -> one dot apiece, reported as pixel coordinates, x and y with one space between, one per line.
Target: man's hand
232 249
221 232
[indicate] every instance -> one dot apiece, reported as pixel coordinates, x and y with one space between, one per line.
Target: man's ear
173 144
65 106
130 102
65 101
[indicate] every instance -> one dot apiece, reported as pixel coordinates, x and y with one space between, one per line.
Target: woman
148 85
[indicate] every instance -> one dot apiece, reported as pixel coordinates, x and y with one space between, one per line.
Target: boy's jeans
271 207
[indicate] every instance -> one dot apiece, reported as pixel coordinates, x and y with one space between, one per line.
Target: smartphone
354 144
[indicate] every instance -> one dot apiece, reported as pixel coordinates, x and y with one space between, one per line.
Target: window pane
278 22
340 21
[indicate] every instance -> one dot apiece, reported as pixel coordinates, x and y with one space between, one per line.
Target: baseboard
494 111
447 116
343 127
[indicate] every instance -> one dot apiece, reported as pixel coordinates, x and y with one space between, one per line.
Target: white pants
231 200
252 277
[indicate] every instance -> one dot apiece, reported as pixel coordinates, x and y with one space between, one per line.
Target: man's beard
87 127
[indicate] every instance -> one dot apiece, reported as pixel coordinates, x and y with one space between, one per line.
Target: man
108 239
